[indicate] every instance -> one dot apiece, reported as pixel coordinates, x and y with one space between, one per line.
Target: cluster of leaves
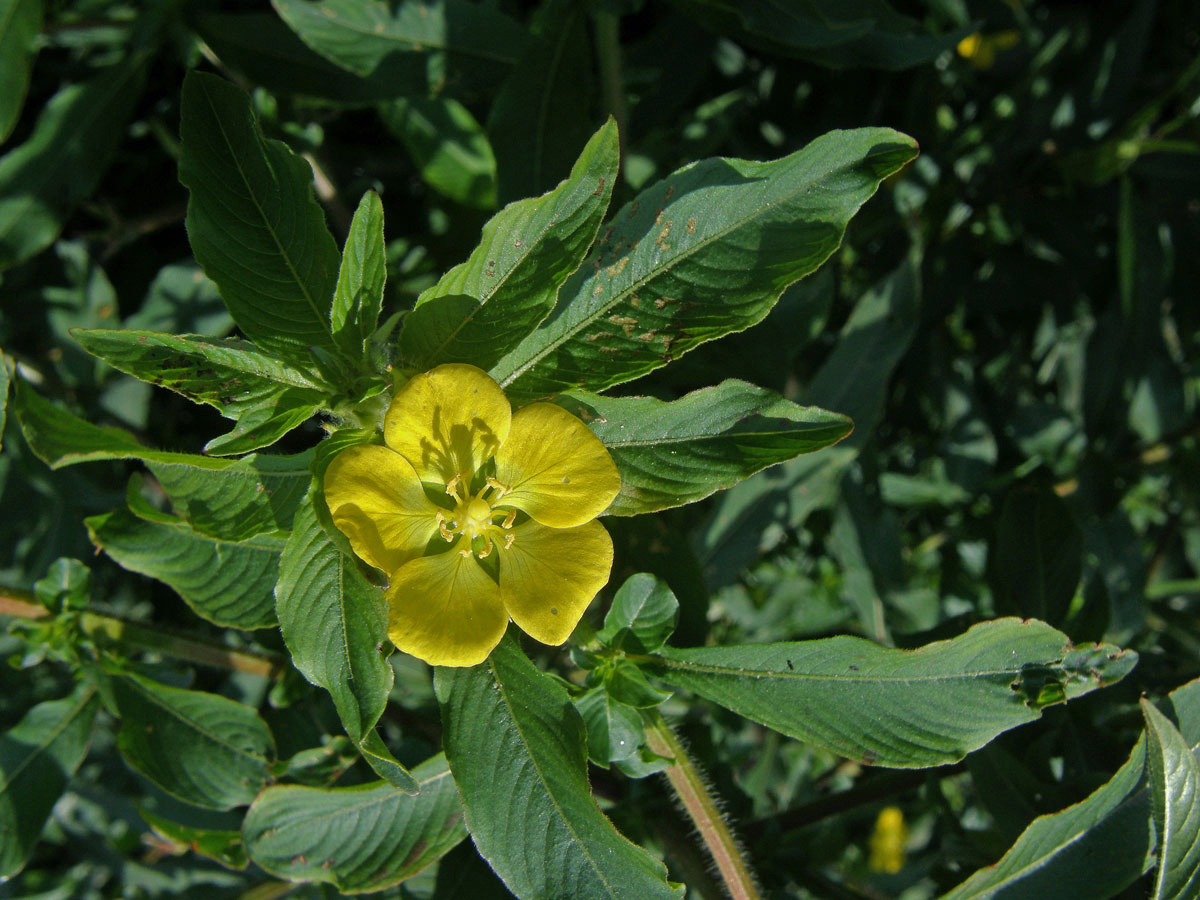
1012 523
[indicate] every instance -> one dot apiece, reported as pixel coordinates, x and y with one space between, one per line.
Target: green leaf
235 499
20 22
385 765
334 622
60 438
852 35
642 617
627 684
44 179
517 748
484 307
1175 798
206 750
228 583
253 222
66 586
1099 846
853 380
898 708
266 397
541 114
1038 555
421 48
359 294
677 452
37 756
181 299
447 145
270 54
363 838
702 253
226 499
225 847
614 729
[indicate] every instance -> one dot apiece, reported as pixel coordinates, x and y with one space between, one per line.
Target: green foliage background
1008 323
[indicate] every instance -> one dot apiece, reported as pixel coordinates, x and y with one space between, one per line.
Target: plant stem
607 27
146 637
689 786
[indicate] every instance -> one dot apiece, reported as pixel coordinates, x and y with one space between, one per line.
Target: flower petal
558 471
448 420
550 575
445 610
377 501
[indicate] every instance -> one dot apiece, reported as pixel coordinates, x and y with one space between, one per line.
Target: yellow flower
888 840
981 49
514 536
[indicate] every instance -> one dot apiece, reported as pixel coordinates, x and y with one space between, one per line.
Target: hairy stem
146 637
689 786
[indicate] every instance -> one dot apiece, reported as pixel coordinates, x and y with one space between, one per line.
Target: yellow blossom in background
514 536
981 49
888 840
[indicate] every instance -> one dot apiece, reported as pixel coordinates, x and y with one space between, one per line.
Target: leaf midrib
555 218
44 745
174 712
525 743
250 192
742 672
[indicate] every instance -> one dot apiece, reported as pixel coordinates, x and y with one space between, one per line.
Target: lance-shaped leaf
851 35
334 622
20 21
702 253
225 847
541 114
1100 845
482 308
229 583
1175 799
266 397
226 499
447 146
518 751
361 277
420 48
363 838
37 756
899 708
671 453
253 222
44 179
264 49
206 750
235 499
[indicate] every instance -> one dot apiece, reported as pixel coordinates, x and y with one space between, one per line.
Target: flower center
473 516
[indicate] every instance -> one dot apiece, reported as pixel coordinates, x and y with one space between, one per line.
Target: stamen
454 483
509 537
465 552
442 529
500 489
487 549
508 521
